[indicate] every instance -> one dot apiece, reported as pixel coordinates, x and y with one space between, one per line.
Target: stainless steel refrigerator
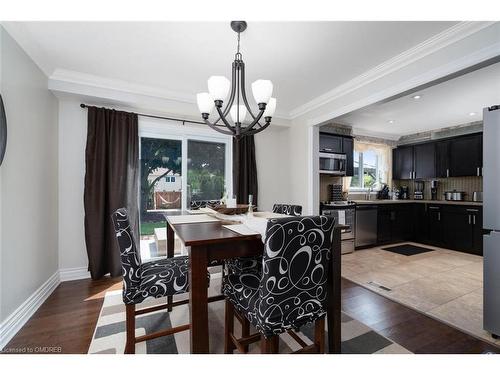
491 219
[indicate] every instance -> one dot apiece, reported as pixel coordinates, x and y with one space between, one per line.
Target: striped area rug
109 335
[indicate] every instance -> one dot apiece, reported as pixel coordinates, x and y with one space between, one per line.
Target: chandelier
237 105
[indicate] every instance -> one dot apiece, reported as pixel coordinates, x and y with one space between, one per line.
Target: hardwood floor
68 318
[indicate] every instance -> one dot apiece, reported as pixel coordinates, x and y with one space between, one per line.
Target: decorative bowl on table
239 209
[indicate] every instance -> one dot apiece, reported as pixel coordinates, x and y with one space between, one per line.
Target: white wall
272 151
72 141
28 243
272 148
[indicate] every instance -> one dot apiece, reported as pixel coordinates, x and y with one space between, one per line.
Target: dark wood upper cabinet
442 158
424 156
466 156
402 163
348 149
330 142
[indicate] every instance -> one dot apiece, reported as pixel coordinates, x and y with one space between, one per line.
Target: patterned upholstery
292 288
158 278
254 264
287 209
195 205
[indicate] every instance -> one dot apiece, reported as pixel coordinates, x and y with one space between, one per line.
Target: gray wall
28 179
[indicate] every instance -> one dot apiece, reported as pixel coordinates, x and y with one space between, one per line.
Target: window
371 166
179 164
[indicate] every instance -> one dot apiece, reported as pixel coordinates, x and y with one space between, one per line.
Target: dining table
211 241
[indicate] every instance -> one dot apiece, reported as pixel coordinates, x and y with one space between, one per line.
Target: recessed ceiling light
416 97
391 121
472 113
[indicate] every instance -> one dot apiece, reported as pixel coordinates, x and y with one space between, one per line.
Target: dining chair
254 264
197 204
290 291
164 277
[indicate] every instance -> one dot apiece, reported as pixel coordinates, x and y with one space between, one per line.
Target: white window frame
166 129
361 175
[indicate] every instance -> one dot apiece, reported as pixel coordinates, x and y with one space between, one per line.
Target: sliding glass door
179 164
206 174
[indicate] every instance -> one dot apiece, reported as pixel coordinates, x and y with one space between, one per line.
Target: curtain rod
158 117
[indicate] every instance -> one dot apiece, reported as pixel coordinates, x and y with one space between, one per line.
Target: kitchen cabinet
453 157
424 160
395 223
330 143
421 223
463 229
348 149
434 226
465 156
402 163
442 159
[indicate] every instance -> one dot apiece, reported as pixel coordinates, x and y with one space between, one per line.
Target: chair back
129 255
287 209
195 205
293 286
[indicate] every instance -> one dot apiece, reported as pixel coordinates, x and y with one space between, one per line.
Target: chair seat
161 278
245 265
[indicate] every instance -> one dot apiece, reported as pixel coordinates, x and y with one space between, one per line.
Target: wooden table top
192 234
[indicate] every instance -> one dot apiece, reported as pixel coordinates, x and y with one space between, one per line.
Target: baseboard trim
77 273
15 321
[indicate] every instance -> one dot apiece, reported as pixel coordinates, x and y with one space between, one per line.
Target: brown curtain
245 169
111 178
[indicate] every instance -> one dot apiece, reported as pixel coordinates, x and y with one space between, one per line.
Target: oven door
332 163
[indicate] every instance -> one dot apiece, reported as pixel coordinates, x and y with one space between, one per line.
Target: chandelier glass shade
236 106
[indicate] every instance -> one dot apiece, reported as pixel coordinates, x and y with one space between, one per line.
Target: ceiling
454 102
303 59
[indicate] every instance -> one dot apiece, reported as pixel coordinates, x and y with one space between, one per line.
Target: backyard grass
147 228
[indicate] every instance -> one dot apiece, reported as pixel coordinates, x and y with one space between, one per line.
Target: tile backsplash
466 184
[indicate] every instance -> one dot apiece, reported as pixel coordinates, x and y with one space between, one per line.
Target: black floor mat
407 249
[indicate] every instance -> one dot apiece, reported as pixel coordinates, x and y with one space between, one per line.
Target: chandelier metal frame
238 94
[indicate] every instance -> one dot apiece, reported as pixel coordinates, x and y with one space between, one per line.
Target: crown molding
89 80
449 36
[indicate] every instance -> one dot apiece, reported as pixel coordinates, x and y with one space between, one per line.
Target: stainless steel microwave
332 163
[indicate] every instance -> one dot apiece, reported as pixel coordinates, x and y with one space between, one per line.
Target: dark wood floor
68 318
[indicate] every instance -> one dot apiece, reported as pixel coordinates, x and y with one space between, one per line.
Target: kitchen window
371 166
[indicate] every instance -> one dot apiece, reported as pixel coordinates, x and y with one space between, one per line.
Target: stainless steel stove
345 214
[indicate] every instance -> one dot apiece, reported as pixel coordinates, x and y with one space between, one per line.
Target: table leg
170 254
334 290
198 299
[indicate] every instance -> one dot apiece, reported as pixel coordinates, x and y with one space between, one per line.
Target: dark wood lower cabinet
395 223
456 227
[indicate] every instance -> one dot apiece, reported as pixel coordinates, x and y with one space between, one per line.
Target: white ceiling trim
68 81
375 134
429 76
89 80
453 34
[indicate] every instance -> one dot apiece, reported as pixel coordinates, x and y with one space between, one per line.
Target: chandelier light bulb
270 108
234 114
262 90
205 102
218 86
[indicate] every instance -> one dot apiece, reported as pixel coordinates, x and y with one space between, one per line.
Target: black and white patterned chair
196 205
158 278
254 264
287 209
291 290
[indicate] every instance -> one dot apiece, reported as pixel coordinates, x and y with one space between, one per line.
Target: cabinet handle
473 219
439 216
472 210
447 173
478 171
469 219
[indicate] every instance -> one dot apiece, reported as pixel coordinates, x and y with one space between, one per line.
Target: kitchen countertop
402 201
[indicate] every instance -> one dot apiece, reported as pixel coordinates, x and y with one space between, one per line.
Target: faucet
368 196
